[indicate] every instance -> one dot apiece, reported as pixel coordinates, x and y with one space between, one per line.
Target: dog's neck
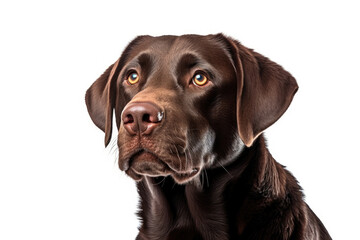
200 208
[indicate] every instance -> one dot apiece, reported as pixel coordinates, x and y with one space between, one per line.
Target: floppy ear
100 100
264 92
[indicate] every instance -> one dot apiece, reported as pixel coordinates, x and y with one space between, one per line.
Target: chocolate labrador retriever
190 112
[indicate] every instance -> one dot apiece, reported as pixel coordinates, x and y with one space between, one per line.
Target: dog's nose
141 117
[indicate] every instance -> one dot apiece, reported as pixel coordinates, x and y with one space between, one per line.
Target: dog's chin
185 177
147 164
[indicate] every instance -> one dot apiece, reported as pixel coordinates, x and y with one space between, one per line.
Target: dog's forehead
170 48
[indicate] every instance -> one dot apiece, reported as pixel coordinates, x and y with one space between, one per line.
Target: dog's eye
200 79
133 78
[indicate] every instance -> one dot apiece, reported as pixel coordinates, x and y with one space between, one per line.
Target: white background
56 179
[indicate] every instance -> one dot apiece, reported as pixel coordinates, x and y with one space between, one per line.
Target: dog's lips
148 164
133 174
184 177
144 163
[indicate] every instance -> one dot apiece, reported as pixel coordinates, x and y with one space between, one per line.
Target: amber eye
199 79
133 78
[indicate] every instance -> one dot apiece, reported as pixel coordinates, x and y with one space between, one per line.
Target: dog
190 112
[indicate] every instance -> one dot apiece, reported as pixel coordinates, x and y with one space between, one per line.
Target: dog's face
187 103
180 95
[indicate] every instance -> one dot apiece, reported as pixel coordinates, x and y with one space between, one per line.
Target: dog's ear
100 100
264 91
103 96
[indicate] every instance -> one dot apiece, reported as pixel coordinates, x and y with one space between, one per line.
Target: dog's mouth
144 163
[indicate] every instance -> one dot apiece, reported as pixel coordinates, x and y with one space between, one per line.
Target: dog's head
184 103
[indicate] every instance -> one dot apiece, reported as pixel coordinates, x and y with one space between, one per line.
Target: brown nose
141 117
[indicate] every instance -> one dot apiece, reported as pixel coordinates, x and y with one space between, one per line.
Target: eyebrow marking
142 62
189 61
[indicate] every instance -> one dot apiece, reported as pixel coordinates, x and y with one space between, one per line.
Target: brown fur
203 171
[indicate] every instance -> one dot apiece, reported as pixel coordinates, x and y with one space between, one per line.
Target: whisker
181 139
225 169
202 180
161 182
186 158
174 185
190 156
113 146
177 153
207 179
113 149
